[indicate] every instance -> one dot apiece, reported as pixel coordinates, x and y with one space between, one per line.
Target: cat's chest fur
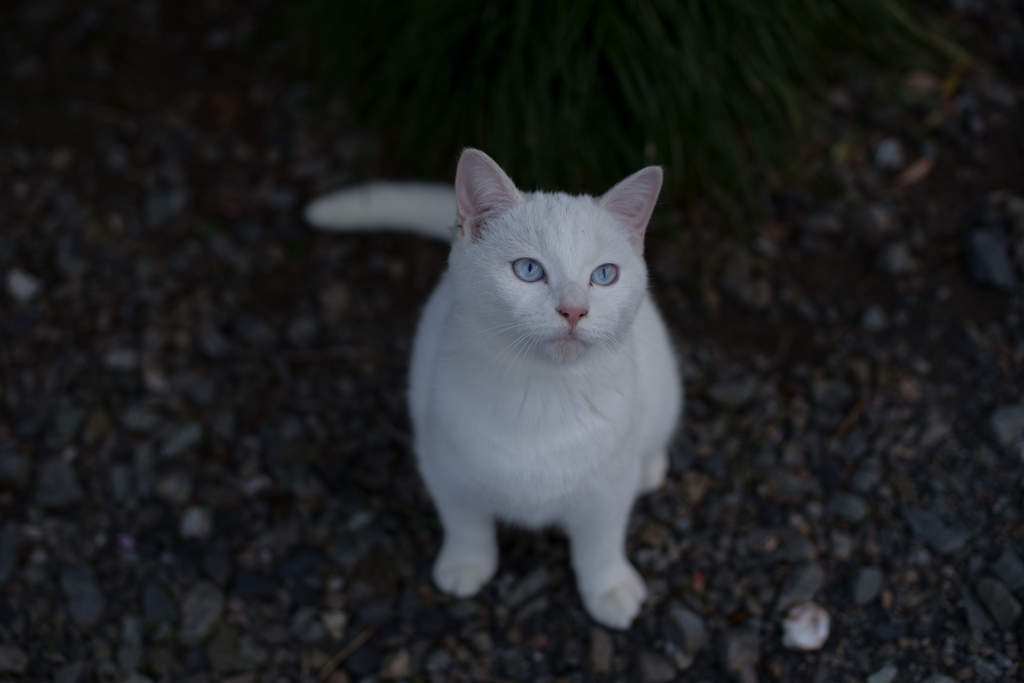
527 436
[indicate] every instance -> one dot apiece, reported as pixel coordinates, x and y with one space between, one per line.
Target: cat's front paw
655 468
462 576
617 606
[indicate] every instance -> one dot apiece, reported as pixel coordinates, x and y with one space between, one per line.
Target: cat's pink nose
573 315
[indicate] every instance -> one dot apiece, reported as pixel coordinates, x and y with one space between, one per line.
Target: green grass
575 95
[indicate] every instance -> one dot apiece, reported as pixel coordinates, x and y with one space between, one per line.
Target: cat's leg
611 589
469 553
653 471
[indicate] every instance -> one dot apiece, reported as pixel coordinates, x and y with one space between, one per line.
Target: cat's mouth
567 345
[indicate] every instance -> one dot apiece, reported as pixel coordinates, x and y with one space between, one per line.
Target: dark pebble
158 605
299 561
986 255
364 661
942 538
1010 568
431 622
85 600
57 484
217 563
253 586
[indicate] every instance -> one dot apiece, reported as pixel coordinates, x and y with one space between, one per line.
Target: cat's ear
482 190
632 201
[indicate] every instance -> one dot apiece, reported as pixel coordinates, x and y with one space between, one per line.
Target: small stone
306 625
759 540
163 205
175 488
800 586
739 650
977 619
217 562
986 670
867 477
183 439
334 300
1010 569
335 622
530 585
1001 604
998 94
67 420
655 534
887 674
224 426
654 668
740 278
601 652
13 659
733 394
889 155
121 359
57 484
933 433
874 319
158 605
895 259
694 486
1007 424
873 221
806 627
987 257
302 331
833 395
842 545
23 286
196 522
824 222
255 331
129 653
532 608
438 660
795 546
691 627
200 610
848 506
212 342
867 584
11 539
139 420
15 469
72 673
85 600
222 648
942 538
397 665
199 390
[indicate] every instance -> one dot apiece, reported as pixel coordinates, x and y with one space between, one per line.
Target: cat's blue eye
527 270
605 275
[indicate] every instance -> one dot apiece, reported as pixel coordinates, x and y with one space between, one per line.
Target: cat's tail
427 209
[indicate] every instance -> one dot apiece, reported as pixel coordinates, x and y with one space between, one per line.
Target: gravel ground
204 453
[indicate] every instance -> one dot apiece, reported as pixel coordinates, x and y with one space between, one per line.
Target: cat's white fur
520 416
425 208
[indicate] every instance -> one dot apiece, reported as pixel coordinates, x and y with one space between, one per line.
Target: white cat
543 389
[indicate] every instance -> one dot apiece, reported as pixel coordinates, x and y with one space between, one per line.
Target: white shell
805 627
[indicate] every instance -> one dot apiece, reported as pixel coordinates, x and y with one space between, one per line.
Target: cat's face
550 274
